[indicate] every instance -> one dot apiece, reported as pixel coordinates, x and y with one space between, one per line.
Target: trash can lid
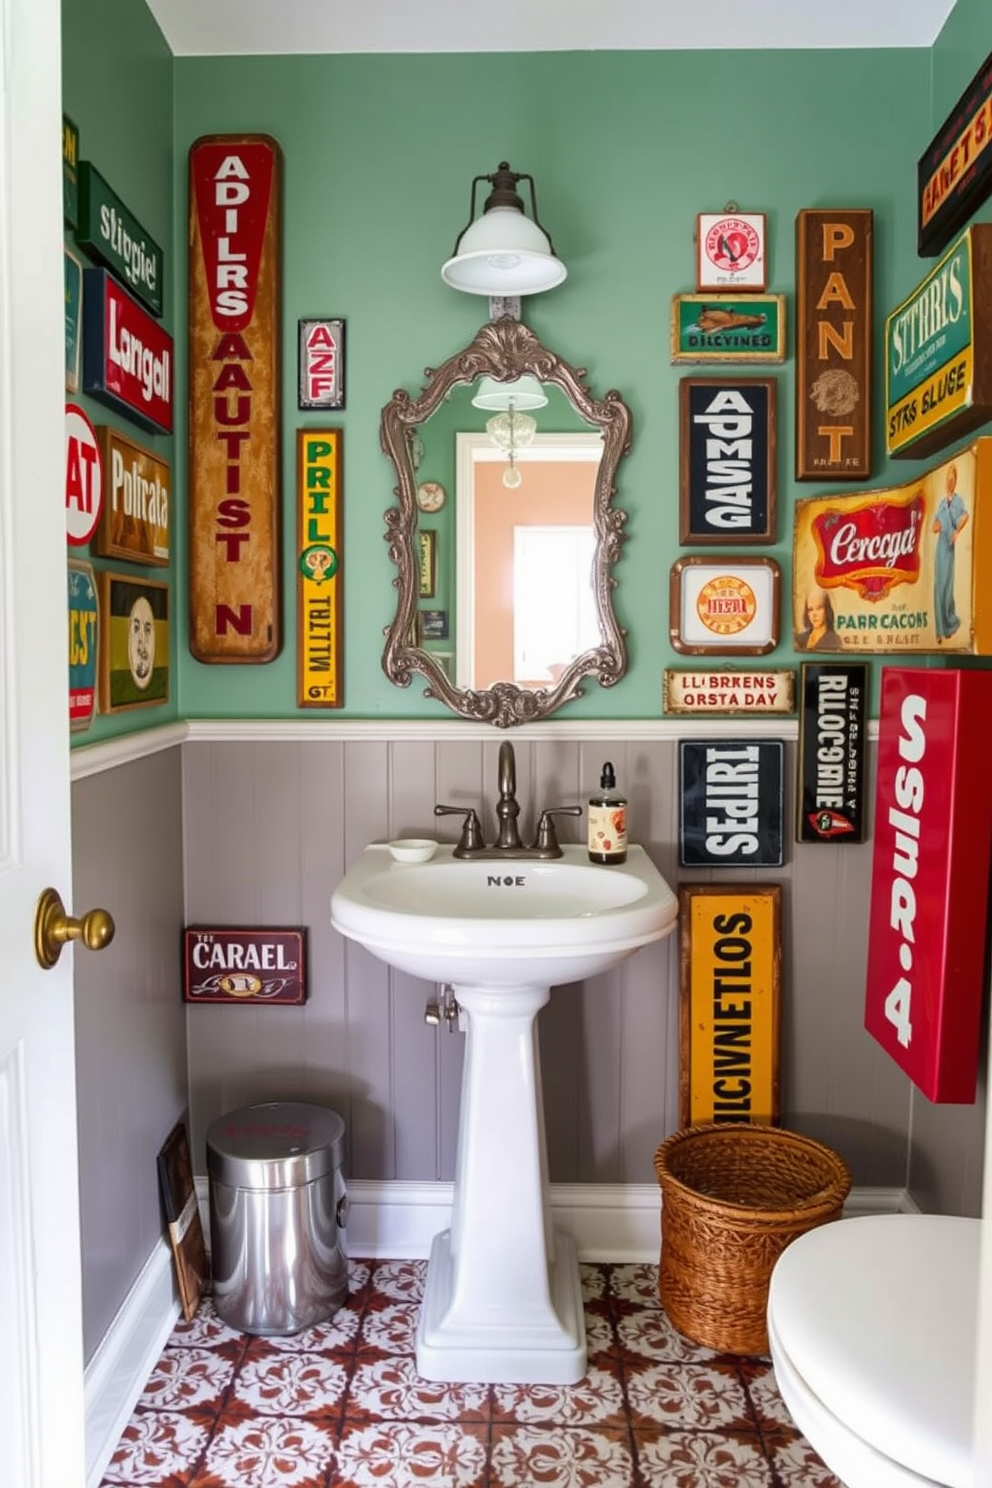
279 1144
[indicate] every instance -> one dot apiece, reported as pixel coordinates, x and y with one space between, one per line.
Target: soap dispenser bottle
607 840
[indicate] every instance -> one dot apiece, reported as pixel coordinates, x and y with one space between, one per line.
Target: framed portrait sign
320 364
731 803
730 251
727 460
730 945
134 642
724 606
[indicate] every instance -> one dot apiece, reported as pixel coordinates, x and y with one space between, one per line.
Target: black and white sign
731 809
727 460
833 720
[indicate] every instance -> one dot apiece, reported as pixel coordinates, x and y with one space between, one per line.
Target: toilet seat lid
878 1316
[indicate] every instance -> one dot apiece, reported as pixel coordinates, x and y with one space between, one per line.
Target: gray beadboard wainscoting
257 830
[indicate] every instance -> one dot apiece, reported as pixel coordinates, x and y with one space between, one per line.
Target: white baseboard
386 1221
119 1370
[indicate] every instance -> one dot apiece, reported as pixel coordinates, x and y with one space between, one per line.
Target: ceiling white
225 27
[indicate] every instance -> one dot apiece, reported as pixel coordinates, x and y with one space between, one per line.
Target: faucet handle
546 841
471 839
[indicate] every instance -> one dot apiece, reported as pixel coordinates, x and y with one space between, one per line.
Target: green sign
728 328
109 232
70 171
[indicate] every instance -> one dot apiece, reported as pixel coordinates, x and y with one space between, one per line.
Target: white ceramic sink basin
512 922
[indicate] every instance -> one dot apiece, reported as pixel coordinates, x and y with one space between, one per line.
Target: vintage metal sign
138 501
728 328
70 172
730 1004
899 570
235 469
954 174
833 716
134 642
320 364
724 605
833 344
320 602
72 273
237 965
734 691
938 351
127 356
731 803
83 477
727 460
730 251
83 640
928 920
109 232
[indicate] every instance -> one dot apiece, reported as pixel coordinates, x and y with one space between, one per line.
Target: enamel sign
83 477
127 357
927 927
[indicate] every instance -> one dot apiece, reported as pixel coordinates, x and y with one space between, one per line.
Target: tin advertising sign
727 459
833 716
235 467
926 974
833 344
83 622
728 328
320 605
732 690
138 503
239 965
731 955
109 232
127 356
899 570
954 174
938 351
731 803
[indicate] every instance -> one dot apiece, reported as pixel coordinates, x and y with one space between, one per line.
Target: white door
41 1362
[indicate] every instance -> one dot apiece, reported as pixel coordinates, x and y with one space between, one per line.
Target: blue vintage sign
83 623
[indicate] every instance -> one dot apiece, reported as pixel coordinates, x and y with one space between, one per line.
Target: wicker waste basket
733 1196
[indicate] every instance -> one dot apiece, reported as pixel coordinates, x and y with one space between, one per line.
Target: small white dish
413 849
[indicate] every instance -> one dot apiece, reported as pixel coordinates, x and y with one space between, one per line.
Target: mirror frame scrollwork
504 349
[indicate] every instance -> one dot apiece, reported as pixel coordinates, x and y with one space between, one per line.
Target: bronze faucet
471 843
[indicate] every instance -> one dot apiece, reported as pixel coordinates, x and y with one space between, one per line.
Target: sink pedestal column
503 1300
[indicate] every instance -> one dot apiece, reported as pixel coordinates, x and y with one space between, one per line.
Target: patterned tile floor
342 1406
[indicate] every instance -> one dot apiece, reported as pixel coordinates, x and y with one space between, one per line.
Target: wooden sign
83 477
241 966
927 928
137 501
134 642
833 730
83 638
108 231
235 469
320 364
320 597
72 271
938 351
954 174
730 999
70 172
730 251
902 570
127 356
731 803
728 328
727 460
833 344
730 691
724 605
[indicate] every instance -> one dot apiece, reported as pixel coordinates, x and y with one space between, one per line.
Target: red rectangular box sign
127 356
930 876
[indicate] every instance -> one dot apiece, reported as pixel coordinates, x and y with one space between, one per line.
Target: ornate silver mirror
524 540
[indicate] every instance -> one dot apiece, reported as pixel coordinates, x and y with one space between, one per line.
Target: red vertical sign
930 876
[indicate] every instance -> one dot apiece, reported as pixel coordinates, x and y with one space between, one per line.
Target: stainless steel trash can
275 1195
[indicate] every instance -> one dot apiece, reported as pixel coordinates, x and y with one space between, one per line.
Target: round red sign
83 477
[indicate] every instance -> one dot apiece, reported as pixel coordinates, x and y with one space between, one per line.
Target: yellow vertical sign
319 579
731 952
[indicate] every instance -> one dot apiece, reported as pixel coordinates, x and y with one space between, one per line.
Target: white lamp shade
524 392
503 253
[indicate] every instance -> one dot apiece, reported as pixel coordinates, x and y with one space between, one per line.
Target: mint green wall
117 76
626 148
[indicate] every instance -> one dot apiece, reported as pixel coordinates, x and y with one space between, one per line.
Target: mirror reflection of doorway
525 603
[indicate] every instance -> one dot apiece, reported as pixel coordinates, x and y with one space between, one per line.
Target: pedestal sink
502 1300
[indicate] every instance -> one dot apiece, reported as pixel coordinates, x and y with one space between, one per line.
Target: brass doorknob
53 928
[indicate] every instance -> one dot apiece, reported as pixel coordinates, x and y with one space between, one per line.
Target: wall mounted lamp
503 253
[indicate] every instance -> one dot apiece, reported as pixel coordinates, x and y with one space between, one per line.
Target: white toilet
872 1331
